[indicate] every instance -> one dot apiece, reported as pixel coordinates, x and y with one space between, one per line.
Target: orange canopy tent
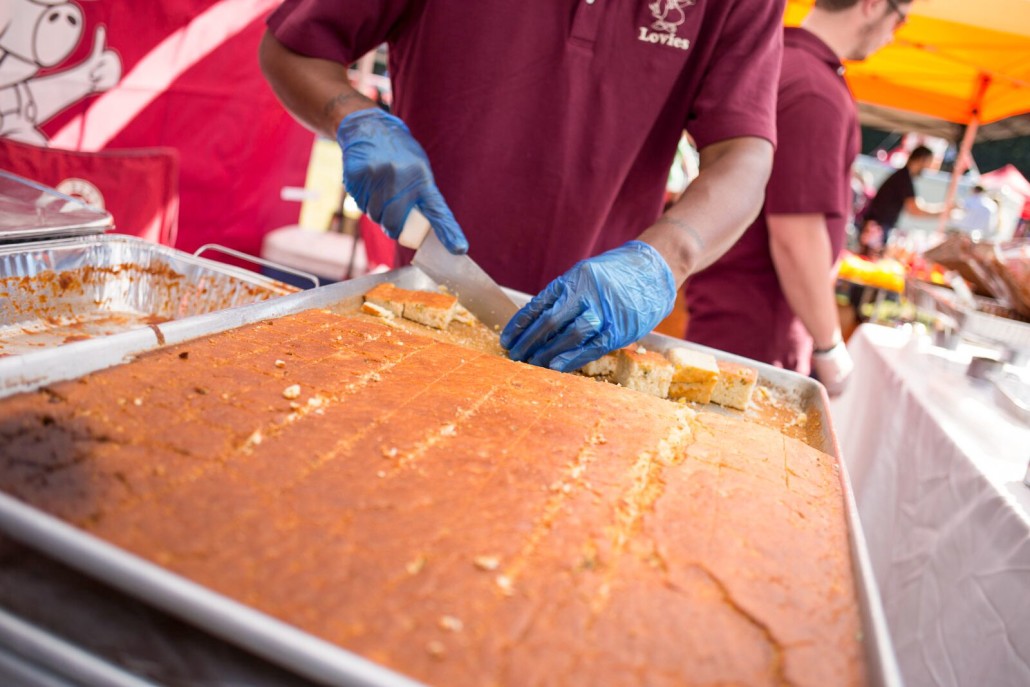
956 60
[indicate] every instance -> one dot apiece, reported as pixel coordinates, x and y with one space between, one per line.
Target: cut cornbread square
431 309
425 307
643 370
387 296
736 383
695 392
603 367
695 375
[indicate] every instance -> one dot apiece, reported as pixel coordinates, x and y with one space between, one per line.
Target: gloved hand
601 304
833 368
387 173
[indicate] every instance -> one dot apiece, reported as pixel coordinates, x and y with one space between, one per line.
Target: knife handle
416 226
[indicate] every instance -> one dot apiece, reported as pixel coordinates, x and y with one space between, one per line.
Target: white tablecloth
937 470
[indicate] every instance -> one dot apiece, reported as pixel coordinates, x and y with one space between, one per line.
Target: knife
459 273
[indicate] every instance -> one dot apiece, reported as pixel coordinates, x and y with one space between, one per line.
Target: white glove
833 367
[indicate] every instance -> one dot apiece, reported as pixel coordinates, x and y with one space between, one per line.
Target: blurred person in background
896 194
979 217
551 128
771 297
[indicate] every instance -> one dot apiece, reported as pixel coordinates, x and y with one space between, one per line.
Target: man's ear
872 9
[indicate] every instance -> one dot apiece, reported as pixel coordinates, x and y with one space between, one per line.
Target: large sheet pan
273 639
64 290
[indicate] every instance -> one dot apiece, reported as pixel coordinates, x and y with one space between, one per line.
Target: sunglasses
902 16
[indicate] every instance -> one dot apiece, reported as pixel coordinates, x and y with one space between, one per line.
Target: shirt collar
797 37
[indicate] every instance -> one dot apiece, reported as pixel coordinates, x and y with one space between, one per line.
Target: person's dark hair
920 153
835 5
841 5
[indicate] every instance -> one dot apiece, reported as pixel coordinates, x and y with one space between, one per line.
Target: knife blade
475 289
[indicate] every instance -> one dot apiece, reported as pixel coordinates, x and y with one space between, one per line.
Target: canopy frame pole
962 160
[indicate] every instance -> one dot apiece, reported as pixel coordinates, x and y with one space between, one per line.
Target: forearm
917 207
716 208
800 248
317 92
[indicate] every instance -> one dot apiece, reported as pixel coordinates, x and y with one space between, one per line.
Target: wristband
824 351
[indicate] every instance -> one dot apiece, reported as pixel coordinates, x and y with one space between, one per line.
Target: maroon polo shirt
737 304
551 125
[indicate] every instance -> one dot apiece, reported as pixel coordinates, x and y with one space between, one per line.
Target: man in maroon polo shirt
772 294
551 126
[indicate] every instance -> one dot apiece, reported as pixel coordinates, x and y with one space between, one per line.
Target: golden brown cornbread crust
462 518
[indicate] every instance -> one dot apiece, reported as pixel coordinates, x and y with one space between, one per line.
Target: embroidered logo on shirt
669 16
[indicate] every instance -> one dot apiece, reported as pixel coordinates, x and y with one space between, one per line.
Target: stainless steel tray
1013 394
30 211
266 636
972 322
60 621
64 290
31 656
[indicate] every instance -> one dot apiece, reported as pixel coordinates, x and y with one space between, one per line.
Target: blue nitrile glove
387 173
601 304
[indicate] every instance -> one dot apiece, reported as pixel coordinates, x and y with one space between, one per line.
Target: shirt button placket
587 22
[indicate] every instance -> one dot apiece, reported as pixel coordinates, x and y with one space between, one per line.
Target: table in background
937 472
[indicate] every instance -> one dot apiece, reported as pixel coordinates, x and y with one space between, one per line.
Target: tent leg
964 152
961 165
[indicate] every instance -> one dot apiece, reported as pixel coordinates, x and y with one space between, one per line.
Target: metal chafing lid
29 210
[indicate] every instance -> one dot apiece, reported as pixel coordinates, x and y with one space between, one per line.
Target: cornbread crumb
436 649
462 315
415 567
451 624
487 562
505 584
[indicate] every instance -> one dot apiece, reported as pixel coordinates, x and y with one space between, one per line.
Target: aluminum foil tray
65 290
266 636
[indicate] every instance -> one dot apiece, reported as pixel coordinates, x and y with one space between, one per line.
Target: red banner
146 207
114 77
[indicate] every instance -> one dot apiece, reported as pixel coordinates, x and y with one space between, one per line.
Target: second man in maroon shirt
771 297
